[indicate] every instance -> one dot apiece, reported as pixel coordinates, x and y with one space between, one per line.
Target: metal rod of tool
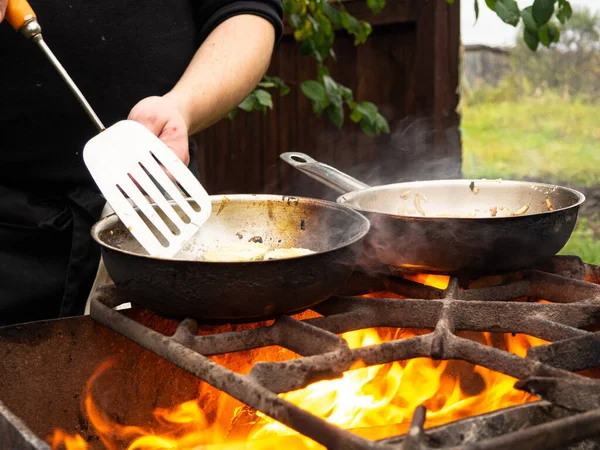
33 31
65 76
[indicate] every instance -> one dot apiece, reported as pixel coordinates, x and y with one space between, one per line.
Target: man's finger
151 121
177 143
3 5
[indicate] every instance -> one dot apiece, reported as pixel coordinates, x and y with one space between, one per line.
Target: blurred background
535 116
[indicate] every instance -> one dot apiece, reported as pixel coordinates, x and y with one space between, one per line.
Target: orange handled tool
21 17
128 163
18 13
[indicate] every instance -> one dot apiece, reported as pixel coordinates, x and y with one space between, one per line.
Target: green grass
547 138
585 241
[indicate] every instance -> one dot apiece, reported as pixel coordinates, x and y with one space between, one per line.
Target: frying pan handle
327 175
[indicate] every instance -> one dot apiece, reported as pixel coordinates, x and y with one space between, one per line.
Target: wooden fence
409 67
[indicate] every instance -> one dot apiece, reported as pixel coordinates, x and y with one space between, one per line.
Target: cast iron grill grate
568 414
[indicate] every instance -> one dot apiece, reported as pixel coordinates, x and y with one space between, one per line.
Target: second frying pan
455 227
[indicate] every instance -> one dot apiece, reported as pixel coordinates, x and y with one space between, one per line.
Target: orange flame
60 440
436 281
375 402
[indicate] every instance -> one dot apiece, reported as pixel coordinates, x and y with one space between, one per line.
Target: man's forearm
224 70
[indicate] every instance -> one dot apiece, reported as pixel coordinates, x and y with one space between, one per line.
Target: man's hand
163 117
3 5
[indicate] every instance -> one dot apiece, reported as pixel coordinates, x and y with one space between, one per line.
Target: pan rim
580 198
361 232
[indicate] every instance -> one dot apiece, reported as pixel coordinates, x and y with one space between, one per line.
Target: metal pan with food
455 227
256 257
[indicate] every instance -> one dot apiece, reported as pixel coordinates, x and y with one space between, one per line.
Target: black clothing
118 52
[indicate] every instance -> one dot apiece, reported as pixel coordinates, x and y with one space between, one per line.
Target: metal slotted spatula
128 164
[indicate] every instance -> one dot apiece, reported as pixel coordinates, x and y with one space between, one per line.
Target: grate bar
287 332
553 435
573 355
576 305
238 386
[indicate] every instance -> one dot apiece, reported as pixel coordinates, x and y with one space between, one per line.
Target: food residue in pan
251 251
416 208
282 253
474 189
405 195
418 203
522 210
224 202
493 211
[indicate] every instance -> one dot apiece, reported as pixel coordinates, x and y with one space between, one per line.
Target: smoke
414 150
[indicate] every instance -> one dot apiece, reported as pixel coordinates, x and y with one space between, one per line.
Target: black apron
48 260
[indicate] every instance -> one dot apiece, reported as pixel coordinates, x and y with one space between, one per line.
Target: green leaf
313 90
553 32
350 23
284 90
544 35
377 5
249 103
368 109
295 20
531 39
360 30
322 71
491 4
542 10
368 128
356 116
476 6
304 31
332 13
264 98
336 114
364 33
528 19
564 11
293 7
316 92
381 124
346 93
508 11
313 23
232 114
275 82
331 88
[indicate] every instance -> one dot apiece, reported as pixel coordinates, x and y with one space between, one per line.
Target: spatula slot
158 234
162 198
163 240
130 187
159 171
195 206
